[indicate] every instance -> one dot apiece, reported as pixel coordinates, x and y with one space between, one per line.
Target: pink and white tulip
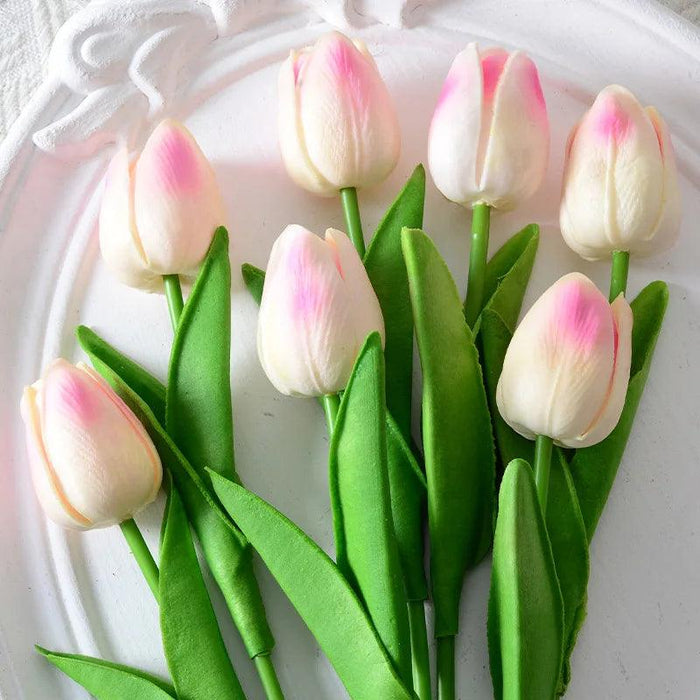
567 367
337 124
620 181
159 213
91 460
489 137
317 309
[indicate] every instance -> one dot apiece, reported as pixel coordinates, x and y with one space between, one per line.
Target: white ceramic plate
115 69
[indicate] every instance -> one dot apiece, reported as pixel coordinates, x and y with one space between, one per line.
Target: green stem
173 293
268 677
543 461
419 649
351 209
142 554
331 404
618 273
446 668
481 221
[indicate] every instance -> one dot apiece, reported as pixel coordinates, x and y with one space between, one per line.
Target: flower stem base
331 404
142 554
351 210
543 461
481 223
618 273
419 649
173 293
268 677
446 668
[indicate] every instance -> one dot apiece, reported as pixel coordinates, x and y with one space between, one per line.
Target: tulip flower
566 370
620 188
159 213
489 136
489 144
317 309
91 460
338 128
337 124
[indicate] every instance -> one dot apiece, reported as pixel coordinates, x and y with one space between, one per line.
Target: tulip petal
613 180
348 120
517 150
455 130
609 414
120 244
104 463
556 373
177 203
46 484
291 133
315 312
665 234
367 313
489 137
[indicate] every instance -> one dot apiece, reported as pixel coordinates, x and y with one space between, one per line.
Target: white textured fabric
27 28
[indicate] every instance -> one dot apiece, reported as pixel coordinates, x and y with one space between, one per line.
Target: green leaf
459 453
495 336
594 468
194 649
508 273
567 535
109 681
227 552
254 279
366 548
408 490
387 271
525 622
408 496
102 354
319 592
199 415
507 276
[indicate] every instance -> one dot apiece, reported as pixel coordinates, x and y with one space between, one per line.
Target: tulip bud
620 182
567 367
337 125
489 137
91 460
317 309
159 213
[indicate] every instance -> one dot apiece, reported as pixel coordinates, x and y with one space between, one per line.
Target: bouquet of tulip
523 426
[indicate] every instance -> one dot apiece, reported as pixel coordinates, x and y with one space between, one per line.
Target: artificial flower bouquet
523 425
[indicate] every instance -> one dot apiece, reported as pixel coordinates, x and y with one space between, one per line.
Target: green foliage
319 592
109 681
366 548
526 617
387 271
458 448
199 416
197 658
